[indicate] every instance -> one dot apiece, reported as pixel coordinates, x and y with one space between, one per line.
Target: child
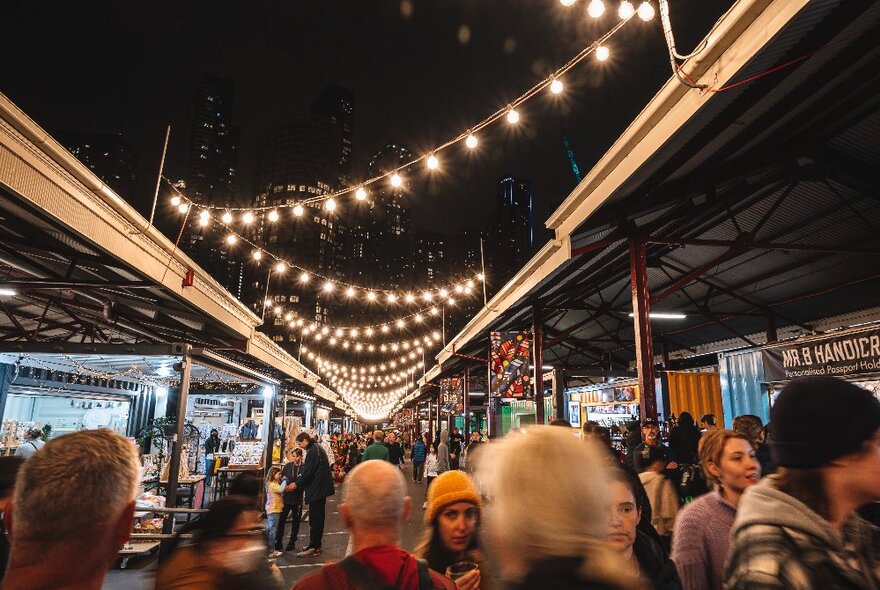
275 485
430 471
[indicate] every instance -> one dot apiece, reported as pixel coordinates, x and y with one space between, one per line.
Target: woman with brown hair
799 528
701 540
452 519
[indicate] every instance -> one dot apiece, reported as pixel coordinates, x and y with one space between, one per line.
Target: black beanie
818 419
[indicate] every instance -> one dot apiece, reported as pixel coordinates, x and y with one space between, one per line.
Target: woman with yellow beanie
450 543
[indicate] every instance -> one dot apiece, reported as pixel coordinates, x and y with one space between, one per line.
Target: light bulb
385 329
258 254
227 217
304 277
481 277
273 215
175 201
646 11
298 210
349 292
392 298
556 87
280 268
288 316
451 301
204 218
443 292
471 141
360 194
231 239
567 2
371 296
602 53
596 8
512 116
328 287
248 217
469 284
427 296
433 162
183 207
401 323
626 10
418 318
396 180
369 332
409 298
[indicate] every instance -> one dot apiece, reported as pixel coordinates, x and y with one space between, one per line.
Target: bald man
374 508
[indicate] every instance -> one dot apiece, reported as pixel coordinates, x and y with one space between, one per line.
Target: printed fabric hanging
509 364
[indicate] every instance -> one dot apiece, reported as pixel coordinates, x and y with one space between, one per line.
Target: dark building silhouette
430 259
510 238
111 157
213 160
337 104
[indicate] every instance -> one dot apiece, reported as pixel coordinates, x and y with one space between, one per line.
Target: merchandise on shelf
247 453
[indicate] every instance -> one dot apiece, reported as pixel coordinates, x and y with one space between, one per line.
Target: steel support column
466 404
177 441
430 422
538 355
641 304
559 394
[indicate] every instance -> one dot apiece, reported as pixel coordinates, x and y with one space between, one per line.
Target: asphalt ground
140 572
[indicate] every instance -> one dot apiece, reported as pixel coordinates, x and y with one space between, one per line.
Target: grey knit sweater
701 541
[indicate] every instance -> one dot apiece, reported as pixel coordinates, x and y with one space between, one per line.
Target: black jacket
290 473
563 573
315 477
655 564
395 453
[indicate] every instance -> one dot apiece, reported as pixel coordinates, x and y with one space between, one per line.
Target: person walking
753 428
396 454
701 538
455 446
374 509
274 489
683 440
33 442
661 492
430 471
799 529
316 482
292 502
452 521
443 463
212 445
417 456
377 450
650 439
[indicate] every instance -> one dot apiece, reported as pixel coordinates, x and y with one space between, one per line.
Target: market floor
140 573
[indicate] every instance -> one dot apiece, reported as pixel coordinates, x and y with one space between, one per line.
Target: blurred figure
701 540
561 543
683 440
212 445
418 454
227 552
661 492
469 454
443 460
77 492
560 422
33 442
455 447
247 487
799 528
374 508
452 520
377 450
431 472
708 422
752 428
644 553
9 467
395 450
292 502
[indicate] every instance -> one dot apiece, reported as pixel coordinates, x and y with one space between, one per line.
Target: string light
248 217
360 194
512 116
258 254
471 141
328 287
227 218
280 268
298 210
304 277
330 204
231 239
556 86
349 292
646 11
175 201
204 218
567 2
596 8
273 215
432 162
626 10
602 53
396 180
183 207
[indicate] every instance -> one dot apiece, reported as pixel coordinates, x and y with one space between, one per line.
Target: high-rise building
511 240
337 104
430 258
299 162
111 157
213 162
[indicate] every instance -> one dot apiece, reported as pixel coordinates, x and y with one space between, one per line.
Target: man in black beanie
799 529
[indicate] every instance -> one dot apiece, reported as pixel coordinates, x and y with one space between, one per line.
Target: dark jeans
317 513
296 511
418 470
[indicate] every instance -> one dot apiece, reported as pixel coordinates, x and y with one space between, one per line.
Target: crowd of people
539 508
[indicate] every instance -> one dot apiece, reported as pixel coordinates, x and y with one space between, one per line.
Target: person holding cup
452 519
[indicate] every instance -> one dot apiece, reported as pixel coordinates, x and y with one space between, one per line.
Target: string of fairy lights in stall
308 327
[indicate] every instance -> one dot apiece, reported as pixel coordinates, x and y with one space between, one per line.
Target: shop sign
452 394
574 414
835 355
509 361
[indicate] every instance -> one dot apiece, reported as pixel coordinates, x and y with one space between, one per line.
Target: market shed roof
755 199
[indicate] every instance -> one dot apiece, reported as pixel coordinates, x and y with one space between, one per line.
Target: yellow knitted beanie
448 488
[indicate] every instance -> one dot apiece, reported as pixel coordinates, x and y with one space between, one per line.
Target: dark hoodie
780 543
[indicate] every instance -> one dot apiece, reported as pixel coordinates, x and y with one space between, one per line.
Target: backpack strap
359 575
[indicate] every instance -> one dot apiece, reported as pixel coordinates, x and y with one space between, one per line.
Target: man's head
80 488
303 440
374 502
378 436
391 438
708 422
750 426
214 433
650 432
33 434
475 436
650 459
297 456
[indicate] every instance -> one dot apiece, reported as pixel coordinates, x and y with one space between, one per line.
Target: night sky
419 78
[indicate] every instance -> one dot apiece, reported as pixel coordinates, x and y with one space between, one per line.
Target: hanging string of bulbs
430 159
308 327
418 344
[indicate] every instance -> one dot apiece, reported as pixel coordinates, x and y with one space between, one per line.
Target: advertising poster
452 394
509 364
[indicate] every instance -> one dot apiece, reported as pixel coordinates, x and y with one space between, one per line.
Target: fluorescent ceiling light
7 292
665 316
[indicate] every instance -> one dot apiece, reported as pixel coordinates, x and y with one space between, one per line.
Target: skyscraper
213 162
430 259
111 157
337 104
511 240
